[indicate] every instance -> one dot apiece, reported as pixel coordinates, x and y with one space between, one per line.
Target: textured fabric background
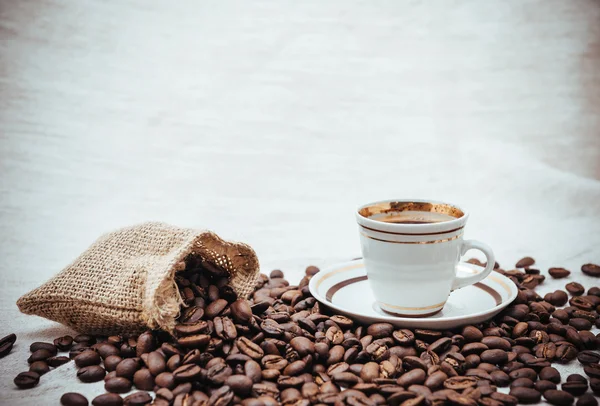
269 122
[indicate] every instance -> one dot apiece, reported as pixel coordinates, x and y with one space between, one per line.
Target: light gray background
269 122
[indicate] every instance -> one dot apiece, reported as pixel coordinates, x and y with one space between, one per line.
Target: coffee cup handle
462 281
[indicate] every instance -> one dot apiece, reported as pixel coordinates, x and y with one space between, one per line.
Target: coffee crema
413 217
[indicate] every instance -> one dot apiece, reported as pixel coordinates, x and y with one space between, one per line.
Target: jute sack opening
124 282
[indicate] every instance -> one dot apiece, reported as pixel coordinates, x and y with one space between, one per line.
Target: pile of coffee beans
282 347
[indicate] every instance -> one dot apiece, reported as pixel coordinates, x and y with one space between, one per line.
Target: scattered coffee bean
6 344
588 357
575 388
523 262
92 373
559 273
575 289
587 400
51 348
40 355
526 395
55 362
118 385
27 380
87 358
543 385
140 399
108 399
591 269
39 367
559 397
64 343
73 399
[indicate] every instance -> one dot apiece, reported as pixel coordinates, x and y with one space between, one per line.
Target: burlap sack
124 282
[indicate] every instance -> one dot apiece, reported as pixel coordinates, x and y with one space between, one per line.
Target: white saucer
345 288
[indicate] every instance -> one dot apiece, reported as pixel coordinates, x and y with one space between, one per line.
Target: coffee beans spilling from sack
281 347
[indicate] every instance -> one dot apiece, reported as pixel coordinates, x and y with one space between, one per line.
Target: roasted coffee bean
591 269
526 395
6 344
404 337
575 388
500 378
588 357
379 330
412 362
165 380
137 399
524 262
494 356
175 362
474 348
580 323
40 355
192 314
415 376
111 362
440 345
187 373
156 363
436 380
85 338
221 396
108 399
587 400
303 346
559 397
522 382
240 384
145 343
550 373
73 399
143 379
543 385
460 383
574 288
39 367
55 362
87 358
64 343
92 373
127 368
241 311
194 341
106 350
558 273
215 308
592 370
472 334
51 348
566 352
117 385
595 385
557 298
27 380
249 348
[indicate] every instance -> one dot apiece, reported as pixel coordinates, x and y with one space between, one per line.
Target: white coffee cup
411 249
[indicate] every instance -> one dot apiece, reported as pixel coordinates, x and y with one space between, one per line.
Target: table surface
269 122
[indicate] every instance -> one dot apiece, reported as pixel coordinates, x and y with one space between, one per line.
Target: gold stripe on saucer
435 306
414 242
330 274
